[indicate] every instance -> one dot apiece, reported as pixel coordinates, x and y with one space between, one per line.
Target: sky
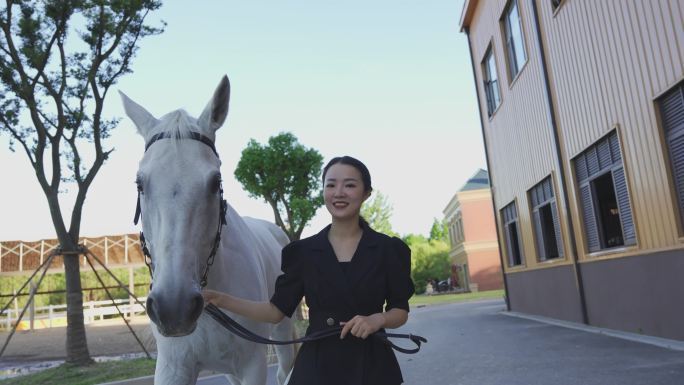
386 81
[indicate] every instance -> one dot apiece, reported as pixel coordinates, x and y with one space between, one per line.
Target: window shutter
539 235
557 228
592 161
672 112
622 196
615 148
676 143
581 168
509 246
604 154
591 231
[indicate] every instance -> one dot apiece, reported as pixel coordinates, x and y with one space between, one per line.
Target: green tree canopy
429 260
287 176
58 61
439 231
377 212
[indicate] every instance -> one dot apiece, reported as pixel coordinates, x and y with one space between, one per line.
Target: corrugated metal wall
519 135
608 61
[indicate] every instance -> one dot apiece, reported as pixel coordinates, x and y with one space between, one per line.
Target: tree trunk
76 342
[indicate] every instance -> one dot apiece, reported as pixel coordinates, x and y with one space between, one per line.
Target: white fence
48 316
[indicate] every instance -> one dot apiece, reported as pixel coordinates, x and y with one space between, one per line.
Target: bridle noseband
222 204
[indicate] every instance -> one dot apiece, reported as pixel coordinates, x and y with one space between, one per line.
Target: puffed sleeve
289 288
399 284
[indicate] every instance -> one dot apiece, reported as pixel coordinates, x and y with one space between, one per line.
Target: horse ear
216 111
142 119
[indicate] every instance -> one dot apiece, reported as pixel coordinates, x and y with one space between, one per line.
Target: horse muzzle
175 316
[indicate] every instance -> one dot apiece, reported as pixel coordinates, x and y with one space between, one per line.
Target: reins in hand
239 330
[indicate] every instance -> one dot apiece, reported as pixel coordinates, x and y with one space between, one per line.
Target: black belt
239 330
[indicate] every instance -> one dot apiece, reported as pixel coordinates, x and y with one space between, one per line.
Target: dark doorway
548 232
515 246
608 213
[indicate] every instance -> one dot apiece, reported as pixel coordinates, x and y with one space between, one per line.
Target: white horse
180 196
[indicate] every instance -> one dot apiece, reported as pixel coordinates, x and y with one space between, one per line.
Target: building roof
480 180
467 13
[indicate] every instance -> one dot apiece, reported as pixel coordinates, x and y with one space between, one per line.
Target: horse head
181 206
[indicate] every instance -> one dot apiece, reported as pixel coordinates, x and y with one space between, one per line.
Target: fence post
32 306
126 248
21 256
131 288
50 315
42 250
106 253
85 244
16 302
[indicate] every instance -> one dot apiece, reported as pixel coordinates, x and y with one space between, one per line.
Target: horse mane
179 124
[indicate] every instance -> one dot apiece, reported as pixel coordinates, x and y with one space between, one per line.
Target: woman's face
343 191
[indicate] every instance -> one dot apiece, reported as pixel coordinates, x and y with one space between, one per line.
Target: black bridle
222 204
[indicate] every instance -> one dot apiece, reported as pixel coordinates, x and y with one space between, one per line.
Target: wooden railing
19 257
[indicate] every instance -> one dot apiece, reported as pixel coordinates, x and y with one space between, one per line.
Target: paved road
474 344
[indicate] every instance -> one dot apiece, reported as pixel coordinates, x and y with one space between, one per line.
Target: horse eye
216 184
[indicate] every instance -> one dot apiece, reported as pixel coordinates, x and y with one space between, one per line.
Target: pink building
472 233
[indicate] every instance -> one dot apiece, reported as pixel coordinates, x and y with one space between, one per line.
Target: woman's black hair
357 164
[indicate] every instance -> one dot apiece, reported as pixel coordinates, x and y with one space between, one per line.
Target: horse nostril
197 305
151 311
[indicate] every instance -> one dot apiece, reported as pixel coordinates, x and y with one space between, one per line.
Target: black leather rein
239 330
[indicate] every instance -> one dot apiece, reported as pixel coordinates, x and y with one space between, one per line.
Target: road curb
650 340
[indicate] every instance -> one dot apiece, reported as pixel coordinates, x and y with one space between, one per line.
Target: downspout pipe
491 178
561 166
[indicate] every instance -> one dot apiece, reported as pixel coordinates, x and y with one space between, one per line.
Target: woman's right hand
211 297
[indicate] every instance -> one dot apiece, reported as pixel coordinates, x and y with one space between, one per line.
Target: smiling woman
350 275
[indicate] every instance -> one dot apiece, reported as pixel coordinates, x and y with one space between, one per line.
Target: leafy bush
429 260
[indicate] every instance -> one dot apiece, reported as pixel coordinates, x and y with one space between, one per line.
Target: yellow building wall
609 61
519 136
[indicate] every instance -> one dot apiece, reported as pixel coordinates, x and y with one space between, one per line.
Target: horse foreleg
252 369
168 372
286 354
176 362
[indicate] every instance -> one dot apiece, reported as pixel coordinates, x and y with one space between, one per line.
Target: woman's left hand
363 326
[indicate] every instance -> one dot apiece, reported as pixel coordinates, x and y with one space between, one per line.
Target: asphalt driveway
475 344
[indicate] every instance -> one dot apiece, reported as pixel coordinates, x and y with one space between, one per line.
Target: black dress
378 275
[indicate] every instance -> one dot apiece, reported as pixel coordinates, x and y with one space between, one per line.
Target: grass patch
96 373
422 299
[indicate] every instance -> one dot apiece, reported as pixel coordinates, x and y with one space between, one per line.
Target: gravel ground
105 338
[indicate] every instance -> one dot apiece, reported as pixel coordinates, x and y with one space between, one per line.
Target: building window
512 234
672 117
456 231
491 82
513 33
545 220
604 198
